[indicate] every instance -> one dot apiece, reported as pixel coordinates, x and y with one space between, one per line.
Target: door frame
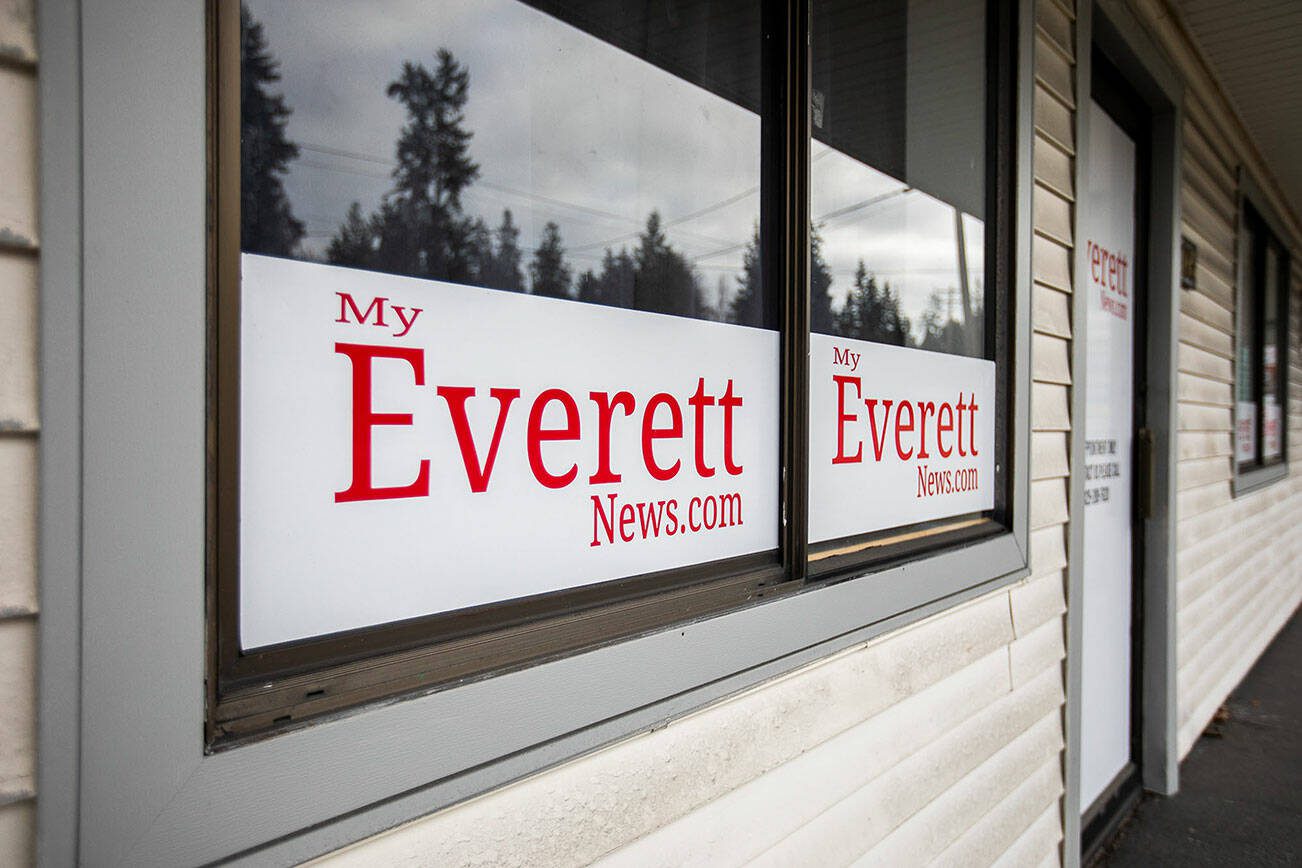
1114 95
1112 28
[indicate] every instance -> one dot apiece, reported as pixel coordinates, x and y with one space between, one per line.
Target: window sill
1248 481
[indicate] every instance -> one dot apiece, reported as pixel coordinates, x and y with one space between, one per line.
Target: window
905 349
549 324
1261 356
137 266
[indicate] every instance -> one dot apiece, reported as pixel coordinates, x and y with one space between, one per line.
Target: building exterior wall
19 425
942 741
1239 573
1238 558
933 794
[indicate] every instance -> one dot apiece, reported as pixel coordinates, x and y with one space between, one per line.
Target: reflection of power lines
731 248
905 270
596 260
340 152
818 222
675 221
856 207
491 185
701 212
529 195
579 250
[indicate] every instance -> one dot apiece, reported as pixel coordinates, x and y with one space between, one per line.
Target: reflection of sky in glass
572 130
904 236
566 128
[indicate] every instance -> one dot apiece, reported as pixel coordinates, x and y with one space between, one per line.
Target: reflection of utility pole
962 267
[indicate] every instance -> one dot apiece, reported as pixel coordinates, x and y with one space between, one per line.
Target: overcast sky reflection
570 129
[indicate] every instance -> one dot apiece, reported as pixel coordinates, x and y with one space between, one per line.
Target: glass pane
1271 424
430 191
902 395
504 147
1245 435
898 173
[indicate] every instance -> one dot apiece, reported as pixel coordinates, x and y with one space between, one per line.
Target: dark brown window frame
251 694
1260 471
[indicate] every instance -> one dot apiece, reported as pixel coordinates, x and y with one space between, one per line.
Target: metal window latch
1145 473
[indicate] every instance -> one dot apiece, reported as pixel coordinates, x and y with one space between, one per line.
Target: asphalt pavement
1240 798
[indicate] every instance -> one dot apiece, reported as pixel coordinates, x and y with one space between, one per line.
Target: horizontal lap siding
18 432
940 742
1022 824
1237 562
877 745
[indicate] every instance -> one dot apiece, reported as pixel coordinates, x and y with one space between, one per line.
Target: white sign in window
896 436
410 447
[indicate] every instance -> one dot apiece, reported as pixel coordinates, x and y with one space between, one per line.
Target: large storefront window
511 348
555 165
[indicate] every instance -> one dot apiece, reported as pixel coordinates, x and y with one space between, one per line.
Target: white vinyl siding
1238 573
18 431
877 746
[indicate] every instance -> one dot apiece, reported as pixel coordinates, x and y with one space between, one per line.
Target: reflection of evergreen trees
501 268
663 280
821 319
267 223
613 285
747 304
548 272
654 277
946 332
354 242
420 227
872 313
